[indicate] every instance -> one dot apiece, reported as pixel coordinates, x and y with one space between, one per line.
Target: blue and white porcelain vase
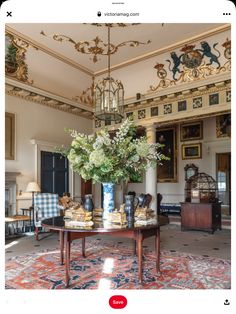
108 198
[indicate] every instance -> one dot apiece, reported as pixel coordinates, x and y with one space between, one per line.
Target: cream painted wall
174 192
35 121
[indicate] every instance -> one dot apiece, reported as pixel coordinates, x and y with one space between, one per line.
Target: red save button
118 301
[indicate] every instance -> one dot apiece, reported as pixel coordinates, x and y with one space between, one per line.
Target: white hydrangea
135 158
97 157
143 149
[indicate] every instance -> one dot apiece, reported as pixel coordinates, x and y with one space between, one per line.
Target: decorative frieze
182 104
214 99
193 62
48 101
197 102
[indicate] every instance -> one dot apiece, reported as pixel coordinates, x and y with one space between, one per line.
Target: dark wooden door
54 173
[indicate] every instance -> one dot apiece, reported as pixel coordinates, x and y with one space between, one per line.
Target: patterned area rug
112 266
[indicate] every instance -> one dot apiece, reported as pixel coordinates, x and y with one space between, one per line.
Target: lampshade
33 187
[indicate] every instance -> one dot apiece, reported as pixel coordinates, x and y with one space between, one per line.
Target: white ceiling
160 36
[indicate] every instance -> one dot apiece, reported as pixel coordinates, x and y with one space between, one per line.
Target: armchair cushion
45 206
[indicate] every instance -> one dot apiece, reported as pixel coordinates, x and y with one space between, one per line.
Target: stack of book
97 214
78 217
144 215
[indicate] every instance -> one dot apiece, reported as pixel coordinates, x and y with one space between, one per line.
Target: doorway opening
223 175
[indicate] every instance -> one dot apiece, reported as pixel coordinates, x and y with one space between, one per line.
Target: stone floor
172 238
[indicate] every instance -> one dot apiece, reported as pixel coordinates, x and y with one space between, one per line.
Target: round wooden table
137 233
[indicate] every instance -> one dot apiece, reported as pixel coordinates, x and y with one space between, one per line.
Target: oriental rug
111 265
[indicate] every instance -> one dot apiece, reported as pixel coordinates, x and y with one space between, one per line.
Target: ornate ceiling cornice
41 97
179 95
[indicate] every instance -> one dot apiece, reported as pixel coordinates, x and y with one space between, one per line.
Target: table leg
140 256
83 247
61 234
69 249
134 247
157 245
67 256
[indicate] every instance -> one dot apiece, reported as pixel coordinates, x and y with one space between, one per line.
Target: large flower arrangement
105 159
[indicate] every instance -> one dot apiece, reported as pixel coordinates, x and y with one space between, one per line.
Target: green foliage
103 159
10 57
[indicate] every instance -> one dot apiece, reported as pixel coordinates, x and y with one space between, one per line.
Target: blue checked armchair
45 205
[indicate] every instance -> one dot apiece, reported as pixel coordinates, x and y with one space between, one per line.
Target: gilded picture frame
167 171
223 125
191 131
9 136
192 151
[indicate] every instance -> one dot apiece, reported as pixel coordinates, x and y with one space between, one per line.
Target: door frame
39 146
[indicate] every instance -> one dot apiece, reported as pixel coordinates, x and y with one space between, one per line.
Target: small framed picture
191 131
192 151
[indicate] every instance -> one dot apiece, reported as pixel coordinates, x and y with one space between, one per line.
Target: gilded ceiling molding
49 51
96 47
48 101
178 96
15 65
204 101
78 66
87 96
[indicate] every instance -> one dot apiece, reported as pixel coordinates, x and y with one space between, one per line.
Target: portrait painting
167 171
223 125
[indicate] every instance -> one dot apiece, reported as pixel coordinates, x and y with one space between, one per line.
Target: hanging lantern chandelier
109 95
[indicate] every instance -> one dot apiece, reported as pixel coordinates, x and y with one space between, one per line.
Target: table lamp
33 187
